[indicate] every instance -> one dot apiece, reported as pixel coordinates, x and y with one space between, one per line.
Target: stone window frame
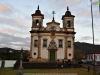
69 44
44 45
35 43
60 41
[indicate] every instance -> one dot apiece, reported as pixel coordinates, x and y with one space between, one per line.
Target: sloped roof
95 52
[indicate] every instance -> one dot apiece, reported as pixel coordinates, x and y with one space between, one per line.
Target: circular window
34 53
69 54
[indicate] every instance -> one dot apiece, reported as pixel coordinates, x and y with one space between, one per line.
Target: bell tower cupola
37 19
68 19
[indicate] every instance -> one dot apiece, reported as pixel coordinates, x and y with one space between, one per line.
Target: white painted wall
70 50
34 49
92 57
60 51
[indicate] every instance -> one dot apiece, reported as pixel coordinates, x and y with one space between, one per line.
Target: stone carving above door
52 45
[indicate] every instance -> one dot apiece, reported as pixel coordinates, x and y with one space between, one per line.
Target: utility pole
99 5
94 70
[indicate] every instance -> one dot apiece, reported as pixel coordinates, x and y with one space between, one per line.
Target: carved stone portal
52 45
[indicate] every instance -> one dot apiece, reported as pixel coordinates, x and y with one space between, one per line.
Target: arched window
68 23
37 22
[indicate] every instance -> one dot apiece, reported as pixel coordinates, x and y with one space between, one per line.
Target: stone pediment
53 25
52 45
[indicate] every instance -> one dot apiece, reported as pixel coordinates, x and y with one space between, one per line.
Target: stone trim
73 47
39 46
52 45
65 55
68 32
31 46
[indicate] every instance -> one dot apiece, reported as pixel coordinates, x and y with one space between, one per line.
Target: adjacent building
90 56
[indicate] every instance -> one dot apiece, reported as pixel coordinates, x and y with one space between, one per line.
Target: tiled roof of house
95 52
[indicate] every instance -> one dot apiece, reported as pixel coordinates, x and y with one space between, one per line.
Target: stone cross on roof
53 12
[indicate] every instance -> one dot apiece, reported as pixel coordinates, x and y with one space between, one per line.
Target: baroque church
52 43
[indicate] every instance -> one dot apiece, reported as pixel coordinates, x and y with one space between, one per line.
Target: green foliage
12 56
79 54
86 46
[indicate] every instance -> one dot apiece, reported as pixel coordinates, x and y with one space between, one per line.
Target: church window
69 44
44 42
37 22
35 43
68 23
69 54
60 43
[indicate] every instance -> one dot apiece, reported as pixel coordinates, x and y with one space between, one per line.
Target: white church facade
52 43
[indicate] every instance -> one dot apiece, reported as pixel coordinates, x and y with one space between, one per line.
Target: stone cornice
68 32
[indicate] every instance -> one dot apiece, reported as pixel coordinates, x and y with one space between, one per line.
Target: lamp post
94 71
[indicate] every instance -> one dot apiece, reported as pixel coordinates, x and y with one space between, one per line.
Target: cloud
63 3
28 7
6 9
8 40
17 20
15 32
14 28
87 22
86 38
12 17
48 15
86 13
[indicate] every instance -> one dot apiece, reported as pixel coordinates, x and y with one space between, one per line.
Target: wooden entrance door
52 55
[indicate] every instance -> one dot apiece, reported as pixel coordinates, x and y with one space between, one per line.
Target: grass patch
11 71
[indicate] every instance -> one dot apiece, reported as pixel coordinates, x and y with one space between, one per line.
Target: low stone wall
49 65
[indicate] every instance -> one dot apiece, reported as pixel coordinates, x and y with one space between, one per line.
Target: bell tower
68 20
37 19
68 26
